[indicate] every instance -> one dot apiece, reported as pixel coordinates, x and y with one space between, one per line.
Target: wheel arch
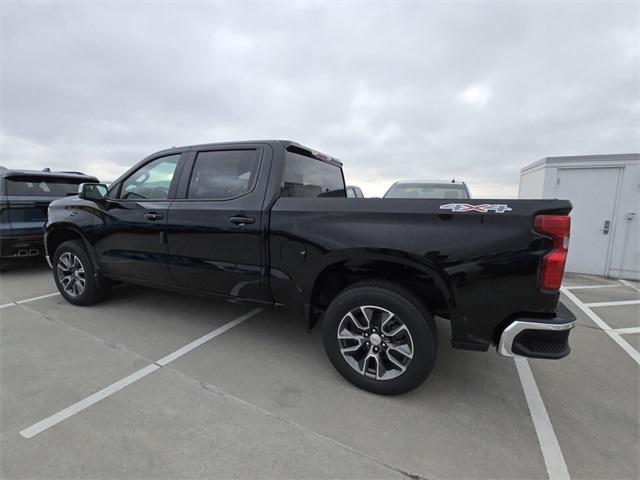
55 236
429 285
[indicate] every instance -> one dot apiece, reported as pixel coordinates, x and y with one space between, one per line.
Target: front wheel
75 276
380 337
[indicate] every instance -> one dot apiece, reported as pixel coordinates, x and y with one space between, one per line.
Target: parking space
620 316
27 279
284 370
229 392
149 322
633 339
615 293
46 367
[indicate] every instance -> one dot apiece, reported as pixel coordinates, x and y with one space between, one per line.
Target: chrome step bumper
538 338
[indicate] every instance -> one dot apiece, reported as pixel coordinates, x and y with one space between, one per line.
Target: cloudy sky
395 90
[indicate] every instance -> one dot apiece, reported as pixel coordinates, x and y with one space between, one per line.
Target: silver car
428 189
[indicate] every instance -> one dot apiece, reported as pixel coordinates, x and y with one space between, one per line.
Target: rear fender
429 267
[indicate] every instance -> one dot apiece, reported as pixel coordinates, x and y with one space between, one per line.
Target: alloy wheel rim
71 274
375 342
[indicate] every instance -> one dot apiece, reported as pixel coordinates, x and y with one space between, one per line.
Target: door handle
152 216
605 229
242 220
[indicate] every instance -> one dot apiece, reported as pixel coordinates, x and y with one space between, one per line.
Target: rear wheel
75 275
380 337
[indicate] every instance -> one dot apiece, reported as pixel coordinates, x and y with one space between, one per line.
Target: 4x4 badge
484 208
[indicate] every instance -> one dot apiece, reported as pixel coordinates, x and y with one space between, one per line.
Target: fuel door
293 253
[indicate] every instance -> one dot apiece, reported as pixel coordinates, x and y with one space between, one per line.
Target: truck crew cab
269 222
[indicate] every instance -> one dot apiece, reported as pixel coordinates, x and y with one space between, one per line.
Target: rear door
215 228
131 241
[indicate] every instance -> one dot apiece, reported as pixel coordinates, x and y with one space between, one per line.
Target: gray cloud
402 90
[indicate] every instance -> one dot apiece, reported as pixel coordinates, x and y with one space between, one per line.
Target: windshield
426 190
45 186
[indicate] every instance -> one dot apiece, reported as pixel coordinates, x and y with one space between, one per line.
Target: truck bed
474 258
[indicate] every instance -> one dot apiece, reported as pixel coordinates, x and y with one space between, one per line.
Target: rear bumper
538 338
23 246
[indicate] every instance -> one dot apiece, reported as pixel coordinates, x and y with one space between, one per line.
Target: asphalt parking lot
150 384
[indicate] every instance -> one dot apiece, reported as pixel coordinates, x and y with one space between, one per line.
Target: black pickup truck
269 222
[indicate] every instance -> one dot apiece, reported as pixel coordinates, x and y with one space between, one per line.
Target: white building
605 192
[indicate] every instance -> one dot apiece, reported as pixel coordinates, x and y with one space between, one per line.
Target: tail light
552 267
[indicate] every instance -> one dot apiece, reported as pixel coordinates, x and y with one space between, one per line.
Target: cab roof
288 145
12 172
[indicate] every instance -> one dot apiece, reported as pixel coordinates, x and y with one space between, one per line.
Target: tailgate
27 215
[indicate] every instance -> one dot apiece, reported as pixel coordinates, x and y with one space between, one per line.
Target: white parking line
553 458
33 299
612 304
56 418
37 298
196 343
629 284
586 287
85 403
624 331
633 353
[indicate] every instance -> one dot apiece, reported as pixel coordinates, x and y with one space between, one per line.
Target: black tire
409 310
95 287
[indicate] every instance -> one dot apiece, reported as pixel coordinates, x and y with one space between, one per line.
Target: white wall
532 183
625 250
539 181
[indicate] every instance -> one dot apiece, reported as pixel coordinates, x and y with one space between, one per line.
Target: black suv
25 196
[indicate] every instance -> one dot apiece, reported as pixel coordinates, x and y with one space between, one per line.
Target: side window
151 181
351 193
308 177
223 174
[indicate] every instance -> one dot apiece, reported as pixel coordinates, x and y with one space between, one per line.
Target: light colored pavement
149 322
634 339
24 280
621 316
261 400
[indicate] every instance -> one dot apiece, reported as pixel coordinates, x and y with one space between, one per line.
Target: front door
592 192
215 233
131 241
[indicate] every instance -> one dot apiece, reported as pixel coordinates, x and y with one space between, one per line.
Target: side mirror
92 191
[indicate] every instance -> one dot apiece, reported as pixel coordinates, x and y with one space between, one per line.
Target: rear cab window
309 177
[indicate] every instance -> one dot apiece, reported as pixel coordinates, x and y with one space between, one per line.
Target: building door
592 192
